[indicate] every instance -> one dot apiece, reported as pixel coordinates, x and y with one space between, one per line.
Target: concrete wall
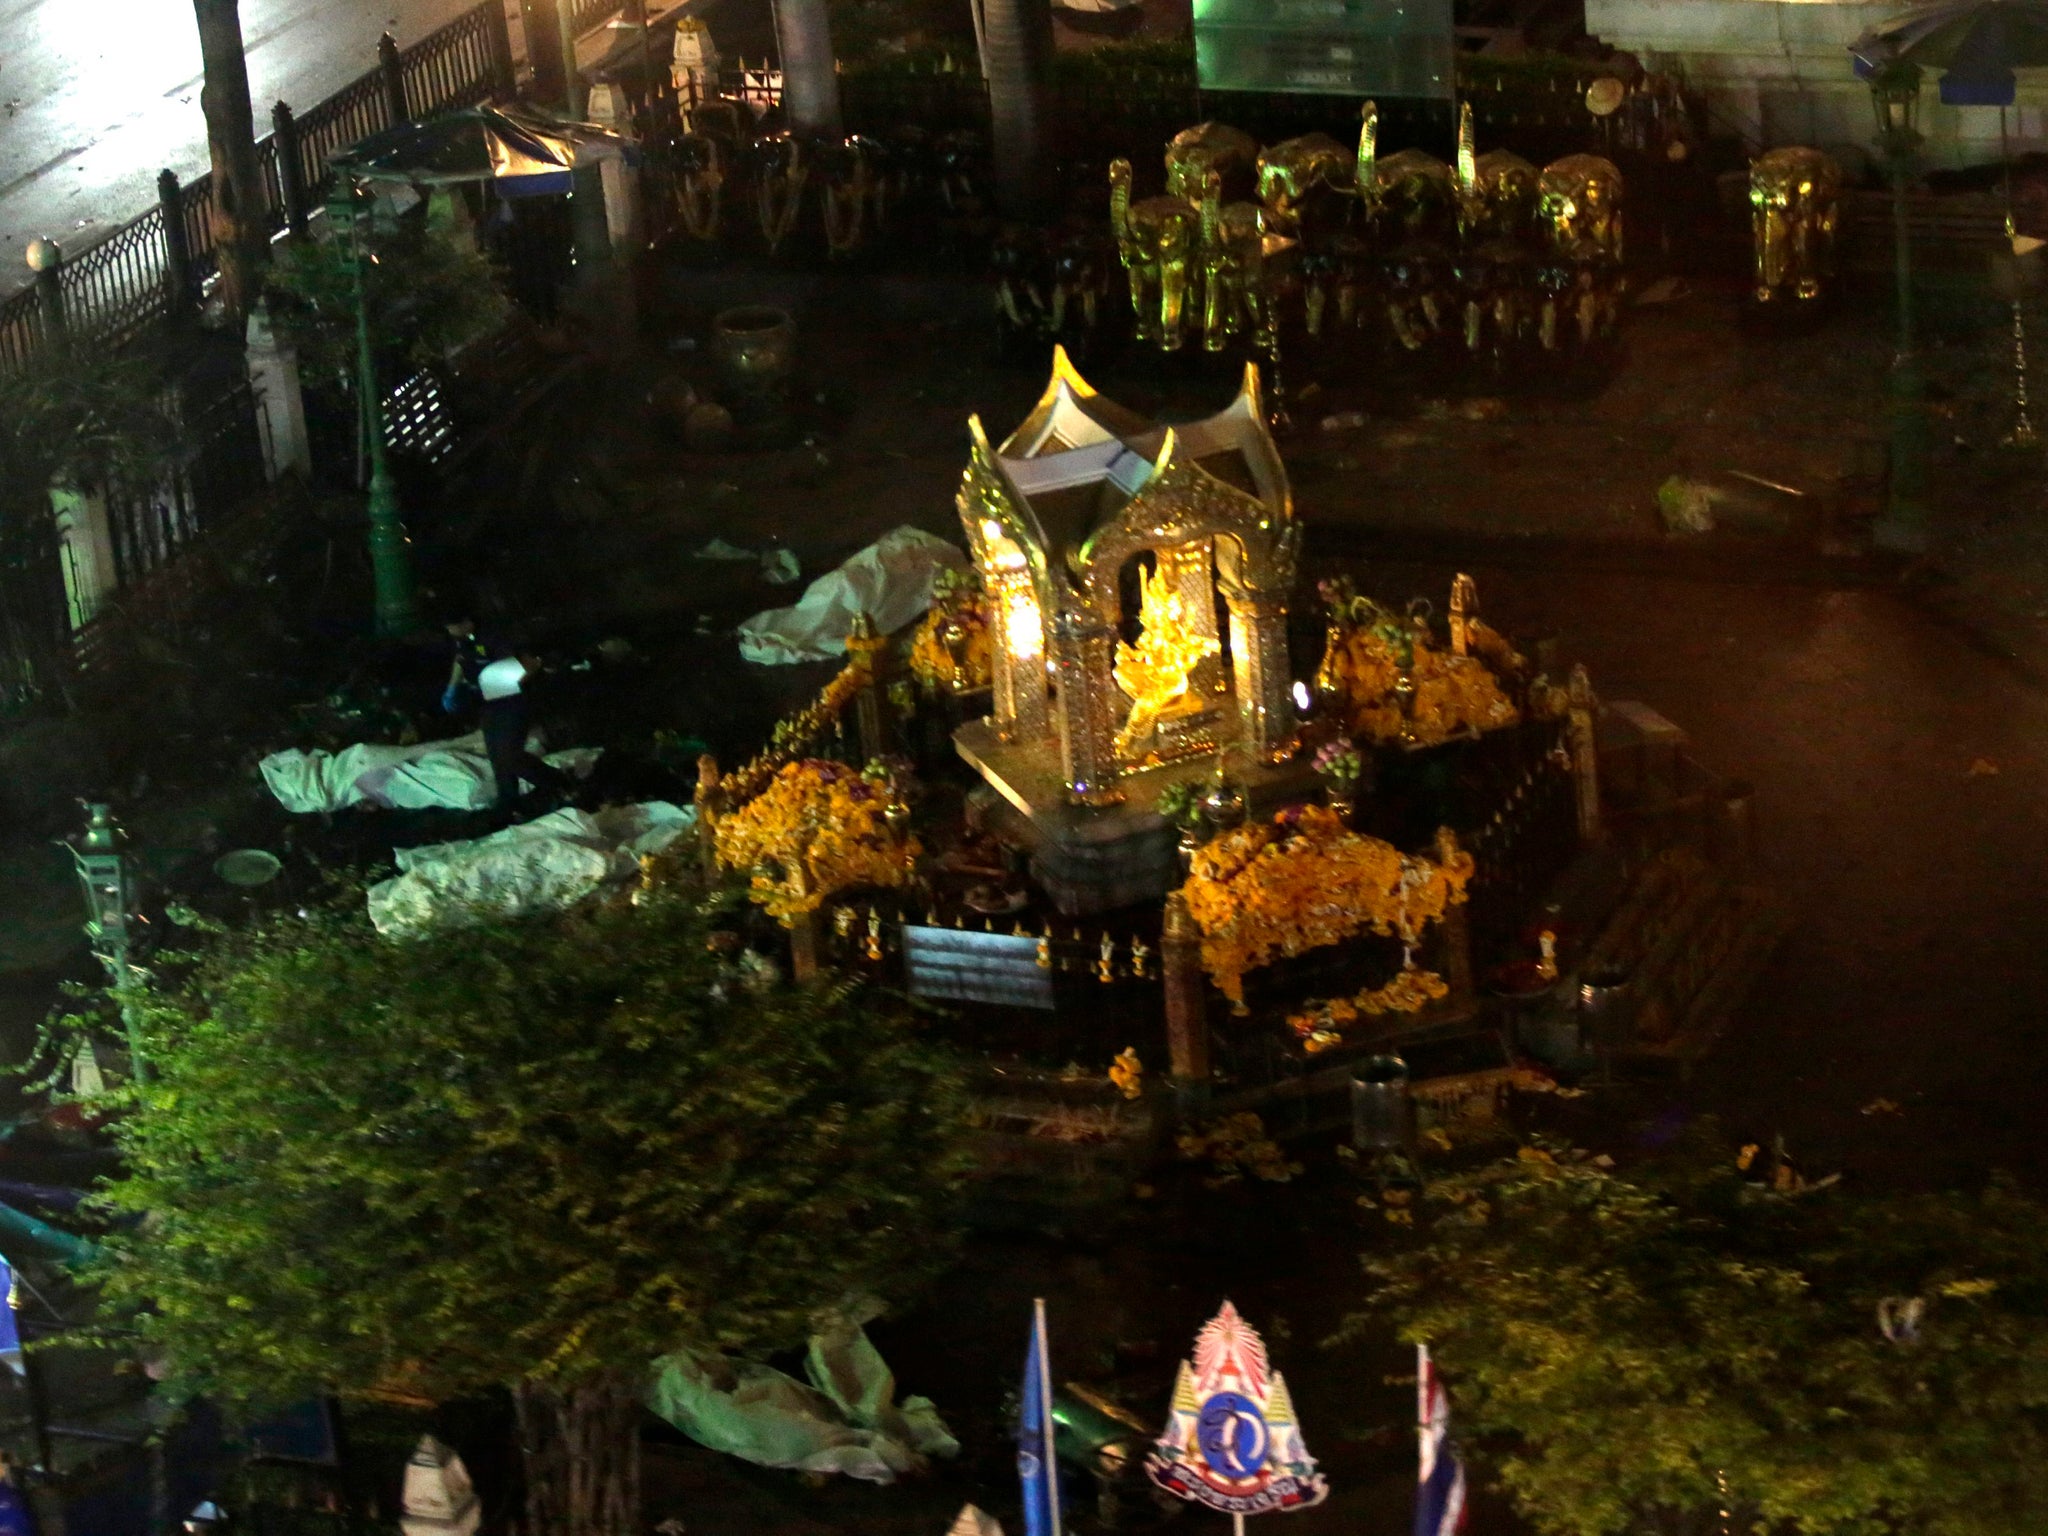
1778 72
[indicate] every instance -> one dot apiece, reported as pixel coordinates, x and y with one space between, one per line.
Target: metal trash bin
1382 1115
1606 1009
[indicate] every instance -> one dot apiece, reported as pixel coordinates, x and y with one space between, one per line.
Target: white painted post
86 551
274 378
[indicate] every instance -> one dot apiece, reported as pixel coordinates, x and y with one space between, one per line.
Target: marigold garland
818 829
1304 880
1367 650
960 601
1322 1024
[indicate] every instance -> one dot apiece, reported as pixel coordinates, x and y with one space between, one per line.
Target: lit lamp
1895 96
109 894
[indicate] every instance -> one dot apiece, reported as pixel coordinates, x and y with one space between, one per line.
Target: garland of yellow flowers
818 829
1364 655
957 598
1305 880
1322 1024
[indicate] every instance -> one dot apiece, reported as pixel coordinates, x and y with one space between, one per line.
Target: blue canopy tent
516 152
1977 44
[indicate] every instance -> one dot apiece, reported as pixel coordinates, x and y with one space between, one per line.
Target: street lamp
109 897
1895 96
390 550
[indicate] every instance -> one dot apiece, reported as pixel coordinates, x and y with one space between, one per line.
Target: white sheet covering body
890 581
451 775
549 862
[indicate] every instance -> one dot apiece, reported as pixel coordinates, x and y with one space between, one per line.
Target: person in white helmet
507 719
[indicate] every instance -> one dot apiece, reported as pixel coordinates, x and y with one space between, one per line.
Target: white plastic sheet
890 581
452 775
550 862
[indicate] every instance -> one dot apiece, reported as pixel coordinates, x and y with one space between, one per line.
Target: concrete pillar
810 72
274 379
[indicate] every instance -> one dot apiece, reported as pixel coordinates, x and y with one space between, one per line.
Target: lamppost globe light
42 254
1895 97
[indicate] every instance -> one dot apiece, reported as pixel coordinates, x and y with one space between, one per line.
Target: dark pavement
96 98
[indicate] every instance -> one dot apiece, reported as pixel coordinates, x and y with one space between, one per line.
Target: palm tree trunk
810 71
1017 49
241 204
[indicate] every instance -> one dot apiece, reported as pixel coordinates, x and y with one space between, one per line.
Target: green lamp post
390 549
1895 94
109 894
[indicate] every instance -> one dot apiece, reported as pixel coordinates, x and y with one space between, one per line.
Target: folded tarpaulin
890 581
541 865
453 775
847 1421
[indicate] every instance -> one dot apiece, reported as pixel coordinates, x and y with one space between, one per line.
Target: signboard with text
1378 48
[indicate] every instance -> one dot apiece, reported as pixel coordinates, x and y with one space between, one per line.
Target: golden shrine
1106 542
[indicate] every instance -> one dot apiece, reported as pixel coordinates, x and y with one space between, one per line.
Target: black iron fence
153 268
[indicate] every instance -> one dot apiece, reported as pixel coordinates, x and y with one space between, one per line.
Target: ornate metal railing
586 15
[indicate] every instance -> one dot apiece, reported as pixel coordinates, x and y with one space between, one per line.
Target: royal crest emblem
1231 1441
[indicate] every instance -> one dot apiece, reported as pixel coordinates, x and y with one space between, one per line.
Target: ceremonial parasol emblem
1231 1441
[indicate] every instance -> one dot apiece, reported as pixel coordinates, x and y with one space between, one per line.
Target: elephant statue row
1488 256
1050 286
735 176
1794 200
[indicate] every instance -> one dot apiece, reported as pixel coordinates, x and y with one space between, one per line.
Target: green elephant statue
1289 172
1794 198
1156 240
1233 247
1506 193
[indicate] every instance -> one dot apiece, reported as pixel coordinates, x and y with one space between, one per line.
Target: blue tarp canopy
519 152
1977 44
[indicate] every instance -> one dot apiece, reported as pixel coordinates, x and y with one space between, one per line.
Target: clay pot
753 351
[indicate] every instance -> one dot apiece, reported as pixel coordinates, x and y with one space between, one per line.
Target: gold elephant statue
1794 199
1417 190
1290 171
1580 197
1232 244
1194 152
1507 194
1155 238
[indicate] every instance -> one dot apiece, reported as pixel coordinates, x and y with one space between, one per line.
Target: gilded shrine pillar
1017 630
1258 649
1084 653
1187 1001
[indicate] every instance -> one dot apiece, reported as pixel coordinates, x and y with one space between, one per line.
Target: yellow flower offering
818 829
1305 880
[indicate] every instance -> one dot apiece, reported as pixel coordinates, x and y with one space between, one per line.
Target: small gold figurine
1105 965
842 921
1045 951
1141 952
1546 962
1128 1073
874 933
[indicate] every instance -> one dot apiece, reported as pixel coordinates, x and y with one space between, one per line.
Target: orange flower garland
1305 880
960 600
1452 693
818 829
1321 1025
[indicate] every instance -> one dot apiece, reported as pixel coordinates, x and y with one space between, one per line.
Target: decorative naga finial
1120 203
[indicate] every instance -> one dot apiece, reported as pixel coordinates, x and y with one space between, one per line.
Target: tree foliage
430 290
1617 1347
514 1152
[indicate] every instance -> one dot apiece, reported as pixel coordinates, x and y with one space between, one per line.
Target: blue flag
16 1518
1440 1476
10 1331
1037 1466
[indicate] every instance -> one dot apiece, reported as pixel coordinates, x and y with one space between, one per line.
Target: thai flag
10 1329
1439 1478
1037 1465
